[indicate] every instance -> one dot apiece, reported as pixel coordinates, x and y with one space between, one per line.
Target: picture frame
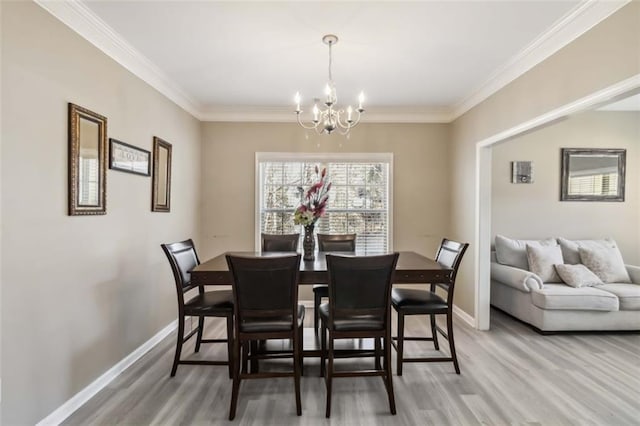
161 180
128 158
87 134
590 174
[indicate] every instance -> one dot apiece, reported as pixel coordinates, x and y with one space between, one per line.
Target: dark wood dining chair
183 258
358 308
279 242
265 296
428 302
334 243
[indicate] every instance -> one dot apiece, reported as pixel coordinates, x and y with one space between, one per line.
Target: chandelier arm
308 127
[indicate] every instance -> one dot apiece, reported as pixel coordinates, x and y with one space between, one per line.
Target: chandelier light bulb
297 100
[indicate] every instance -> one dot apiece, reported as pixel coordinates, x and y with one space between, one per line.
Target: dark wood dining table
412 268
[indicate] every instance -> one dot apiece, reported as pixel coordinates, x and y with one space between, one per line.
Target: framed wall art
129 158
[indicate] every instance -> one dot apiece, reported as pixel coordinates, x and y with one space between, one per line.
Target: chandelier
329 118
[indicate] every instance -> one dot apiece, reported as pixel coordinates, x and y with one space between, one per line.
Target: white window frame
325 157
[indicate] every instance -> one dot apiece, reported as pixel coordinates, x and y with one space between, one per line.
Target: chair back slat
279 242
336 242
360 285
264 286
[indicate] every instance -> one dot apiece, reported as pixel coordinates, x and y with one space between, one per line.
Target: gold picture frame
87 162
161 181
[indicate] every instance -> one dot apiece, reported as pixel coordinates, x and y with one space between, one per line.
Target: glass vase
309 242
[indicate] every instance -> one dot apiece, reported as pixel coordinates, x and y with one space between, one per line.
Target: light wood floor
510 375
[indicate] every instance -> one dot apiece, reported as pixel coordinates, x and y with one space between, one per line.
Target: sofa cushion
628 295
561 296
514 252
606 263
577 275
541 261
570 252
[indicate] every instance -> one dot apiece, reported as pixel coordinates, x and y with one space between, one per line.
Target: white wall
535 210
79 293
420 186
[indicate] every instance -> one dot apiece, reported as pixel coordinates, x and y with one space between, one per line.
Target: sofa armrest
517 278
634 273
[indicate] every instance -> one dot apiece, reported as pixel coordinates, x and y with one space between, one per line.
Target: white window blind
359 199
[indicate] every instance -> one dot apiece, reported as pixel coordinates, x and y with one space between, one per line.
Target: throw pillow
606 263
578 275
570 252
514 252
542 260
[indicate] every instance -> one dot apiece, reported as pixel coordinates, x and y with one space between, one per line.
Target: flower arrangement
315 201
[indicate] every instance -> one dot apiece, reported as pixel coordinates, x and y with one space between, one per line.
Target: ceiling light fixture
328 119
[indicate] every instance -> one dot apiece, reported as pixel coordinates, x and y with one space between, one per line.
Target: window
359 199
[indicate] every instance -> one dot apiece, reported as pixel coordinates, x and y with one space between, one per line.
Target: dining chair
265 297
428 302
329 242
183 258
358 308
279 242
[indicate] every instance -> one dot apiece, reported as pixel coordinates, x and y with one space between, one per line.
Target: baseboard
69 407
464 316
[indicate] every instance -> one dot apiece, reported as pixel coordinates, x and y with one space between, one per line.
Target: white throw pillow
570 248
542 260
606 263
514 252
578 275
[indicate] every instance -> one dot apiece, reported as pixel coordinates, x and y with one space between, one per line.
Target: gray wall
79 293
534 210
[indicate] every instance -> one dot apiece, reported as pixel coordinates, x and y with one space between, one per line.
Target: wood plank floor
510 375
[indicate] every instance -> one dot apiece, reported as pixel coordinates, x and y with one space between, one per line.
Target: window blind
358 199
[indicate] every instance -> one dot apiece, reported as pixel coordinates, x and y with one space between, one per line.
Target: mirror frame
567 153
76 113
156 206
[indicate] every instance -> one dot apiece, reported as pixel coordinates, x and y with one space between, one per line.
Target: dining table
412 268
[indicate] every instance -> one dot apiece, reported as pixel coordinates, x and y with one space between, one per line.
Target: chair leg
323 349
245 357
389 374
236 379
176 357
296 372
253 364
316 311
378 351
452 345
230 340
199 335
301 343
329 376
434 332
400 343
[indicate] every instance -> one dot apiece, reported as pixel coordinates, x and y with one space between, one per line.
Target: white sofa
551 307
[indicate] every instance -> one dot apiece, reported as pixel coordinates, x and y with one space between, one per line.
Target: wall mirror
87 162
593 174
161 190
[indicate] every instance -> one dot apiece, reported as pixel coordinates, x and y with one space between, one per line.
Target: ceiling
424 61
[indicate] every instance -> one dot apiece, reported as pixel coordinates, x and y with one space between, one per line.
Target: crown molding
287 115
575 23
77 16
